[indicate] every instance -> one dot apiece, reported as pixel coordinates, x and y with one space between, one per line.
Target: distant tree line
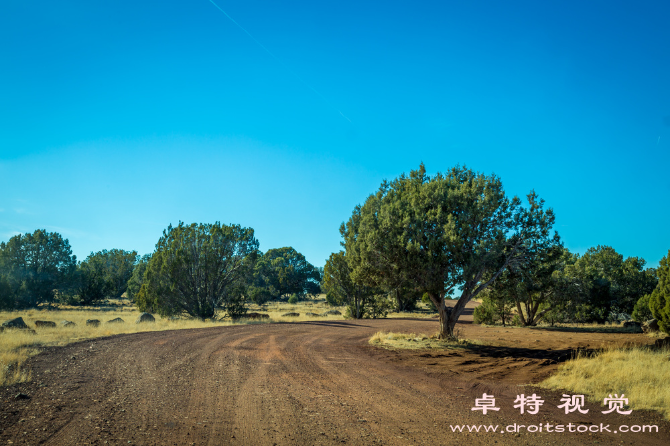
38 268
196 270
453 235
599 286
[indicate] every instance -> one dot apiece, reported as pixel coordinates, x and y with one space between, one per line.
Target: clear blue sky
118 118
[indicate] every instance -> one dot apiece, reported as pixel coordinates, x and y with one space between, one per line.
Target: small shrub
641 311
431 306
294 299
485 313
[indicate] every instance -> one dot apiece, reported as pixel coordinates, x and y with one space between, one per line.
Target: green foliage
641 311
341 289
611 285
259 295
485 313
92 284
284 271
426 300
378 306
104 274
659 301
137 277
451 231
199 268
494 309
34 268
294 299
536 286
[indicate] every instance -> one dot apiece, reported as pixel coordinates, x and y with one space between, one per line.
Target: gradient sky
118 118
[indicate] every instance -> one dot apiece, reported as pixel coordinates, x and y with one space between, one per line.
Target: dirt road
306 383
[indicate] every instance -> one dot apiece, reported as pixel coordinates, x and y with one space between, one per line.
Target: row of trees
199 268
39 268
457 235
196 269
560 286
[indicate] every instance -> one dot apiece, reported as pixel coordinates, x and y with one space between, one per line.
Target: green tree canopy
340 288
659 302
34 267
533 285
137 277
104 274
612 285
284 271
198 268
451 231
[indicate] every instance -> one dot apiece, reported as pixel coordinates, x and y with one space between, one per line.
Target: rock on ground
45 324
68 324
15 323
116 320
93 322
650 326
145 317
256 316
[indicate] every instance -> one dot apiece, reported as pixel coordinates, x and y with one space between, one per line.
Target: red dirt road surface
303 383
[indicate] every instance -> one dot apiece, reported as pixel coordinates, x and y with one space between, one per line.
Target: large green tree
198 268
659 301
341 289
452 231
34 268
284 271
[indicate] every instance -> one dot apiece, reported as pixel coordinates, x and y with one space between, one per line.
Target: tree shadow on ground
499 352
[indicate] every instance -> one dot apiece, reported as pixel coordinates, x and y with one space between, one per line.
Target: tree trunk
448 316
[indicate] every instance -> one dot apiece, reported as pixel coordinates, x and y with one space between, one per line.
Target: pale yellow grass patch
415 341
642 374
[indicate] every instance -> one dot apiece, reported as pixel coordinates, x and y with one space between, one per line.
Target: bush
431 306
294 299
485 313
641 311
378 306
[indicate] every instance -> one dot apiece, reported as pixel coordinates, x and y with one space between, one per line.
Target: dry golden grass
415 341
641 373
16 346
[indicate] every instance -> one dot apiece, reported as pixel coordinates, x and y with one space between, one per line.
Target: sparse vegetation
642 374
417 341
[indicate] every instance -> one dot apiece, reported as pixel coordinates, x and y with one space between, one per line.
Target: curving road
273 384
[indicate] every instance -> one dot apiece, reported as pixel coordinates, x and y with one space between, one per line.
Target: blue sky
119 118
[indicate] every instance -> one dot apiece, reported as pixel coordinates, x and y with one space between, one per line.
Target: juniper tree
449 232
